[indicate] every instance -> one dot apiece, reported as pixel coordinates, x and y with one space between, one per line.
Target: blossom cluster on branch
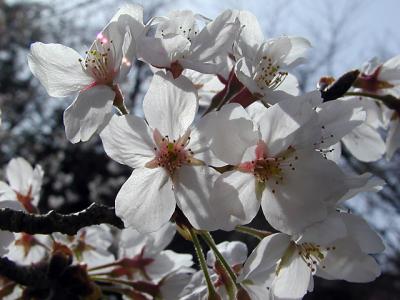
225 131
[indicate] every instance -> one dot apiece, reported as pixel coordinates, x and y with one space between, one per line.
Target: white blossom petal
265 256
128 140
146 200
90 111
368 240
233 132
58 69
365 143
293 279
19 174
170 105
301 198
349 263
234 199
192 191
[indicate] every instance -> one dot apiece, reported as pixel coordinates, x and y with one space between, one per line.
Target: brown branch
34 275
19 221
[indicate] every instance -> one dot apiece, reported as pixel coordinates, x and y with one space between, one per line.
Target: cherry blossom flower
95 78
90 245
143 256
381 79
24 184
28 249
235 253
178 43
336 248
276 167
167 155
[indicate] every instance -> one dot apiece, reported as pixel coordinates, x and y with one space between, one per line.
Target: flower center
171 155
269 169
99 62
26 201
268 75
371 82
312 255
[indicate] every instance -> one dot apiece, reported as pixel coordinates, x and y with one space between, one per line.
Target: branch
34 275
19 221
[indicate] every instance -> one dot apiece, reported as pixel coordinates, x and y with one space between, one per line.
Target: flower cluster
225 131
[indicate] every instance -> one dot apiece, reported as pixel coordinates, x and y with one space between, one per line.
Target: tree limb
19 221
34 275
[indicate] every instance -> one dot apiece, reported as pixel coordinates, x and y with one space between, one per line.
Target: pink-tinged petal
128 140
89 112
293 279
19 174
146 200
368 240
302 196
365 143
58 69
265 256
170 105
349 263
234 199
192 187
161 53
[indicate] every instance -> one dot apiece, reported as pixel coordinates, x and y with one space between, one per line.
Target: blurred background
344 34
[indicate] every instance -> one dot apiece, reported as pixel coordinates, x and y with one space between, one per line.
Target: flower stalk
212 294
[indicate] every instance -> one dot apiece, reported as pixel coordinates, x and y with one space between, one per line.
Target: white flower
167 156
142 256
27 249
63 72
336 248
90 245
381 79
235 254
24 184
265 74
276 167
178 43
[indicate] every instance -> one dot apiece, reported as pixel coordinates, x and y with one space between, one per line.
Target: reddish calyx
372 83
